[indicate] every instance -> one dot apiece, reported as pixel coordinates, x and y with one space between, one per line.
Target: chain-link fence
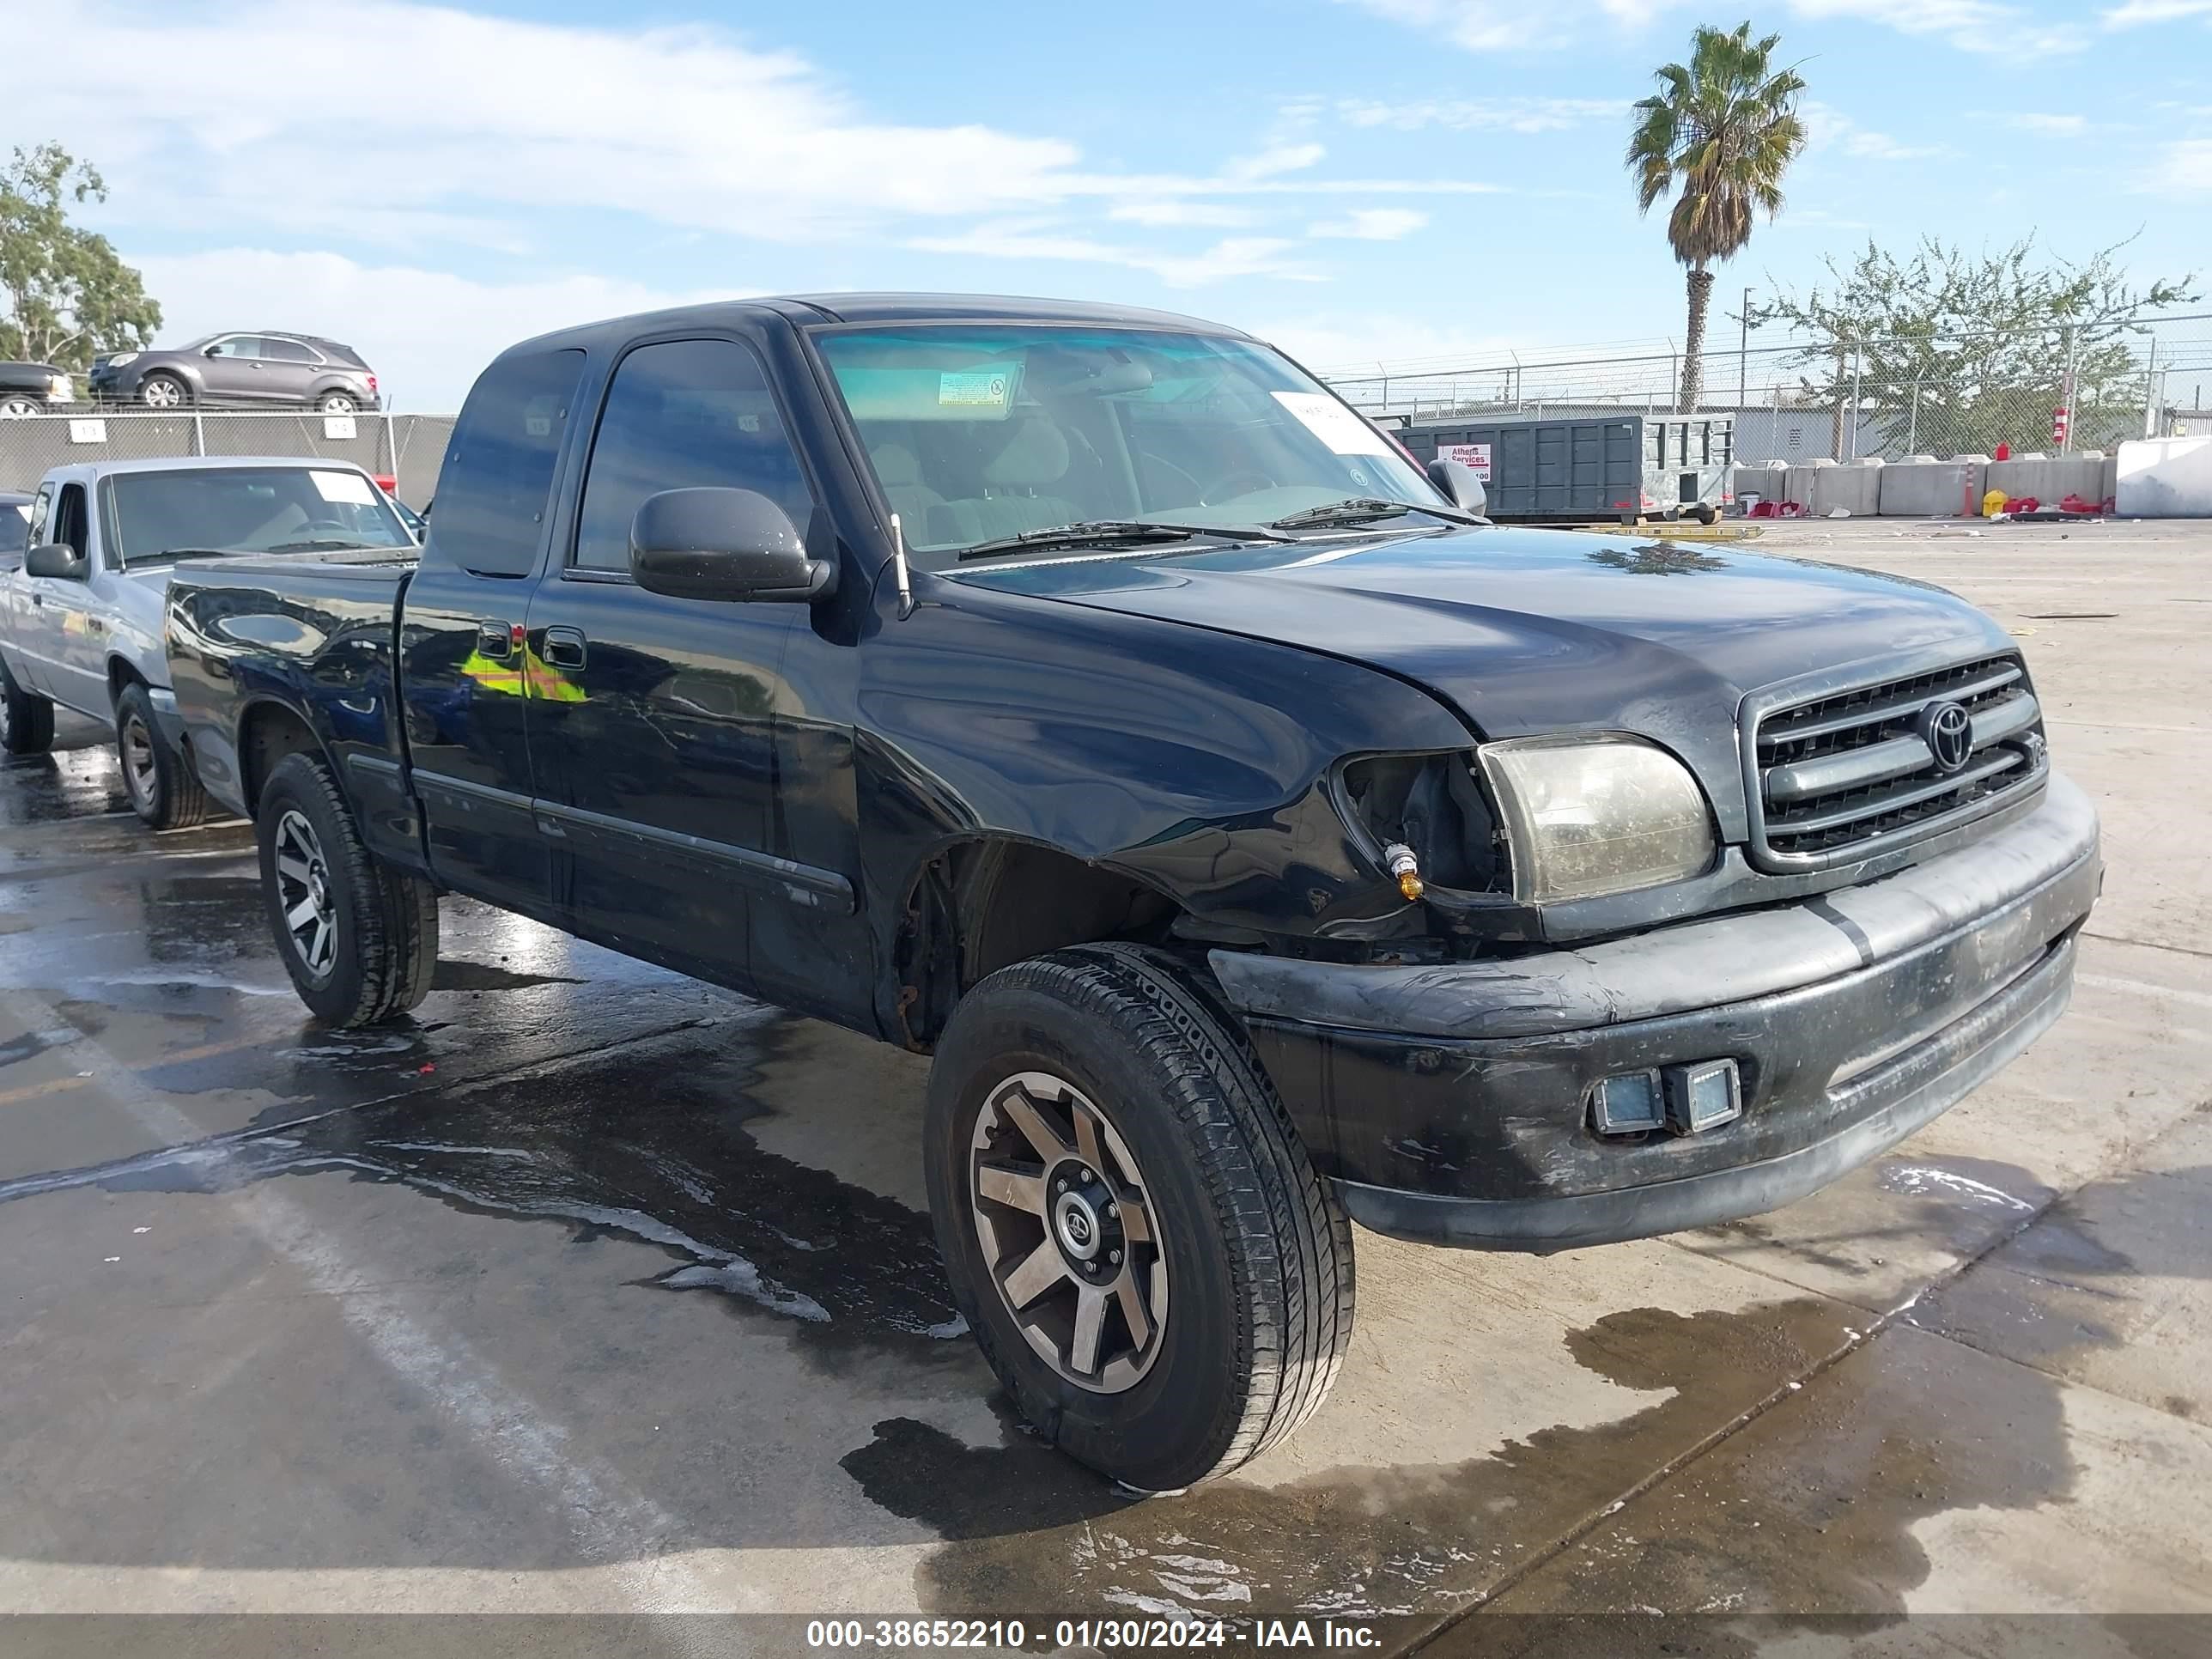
408 448
1794 398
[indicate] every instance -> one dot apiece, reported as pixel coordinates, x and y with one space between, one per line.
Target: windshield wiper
1367 509
322 545
1090 531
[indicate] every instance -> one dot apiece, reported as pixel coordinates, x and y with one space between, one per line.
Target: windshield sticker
986 388
1344 432
349 488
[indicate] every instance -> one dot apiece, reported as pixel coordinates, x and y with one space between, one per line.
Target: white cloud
1505 26
1828 128
1232 256
690 125
2135 13
1977 26
2183 168
1480 114
1282 158
1371 224
426 332
1182 213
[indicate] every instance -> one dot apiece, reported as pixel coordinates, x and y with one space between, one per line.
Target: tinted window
499 468
682 414
287 351
238 345
69 520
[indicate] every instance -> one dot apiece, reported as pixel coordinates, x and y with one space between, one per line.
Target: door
288 369
69 639
460 638
233 370
27 601
653 718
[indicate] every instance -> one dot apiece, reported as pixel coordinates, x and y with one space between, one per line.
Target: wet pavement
593 1290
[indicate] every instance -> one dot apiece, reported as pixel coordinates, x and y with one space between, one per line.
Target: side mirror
55 559
1459 485
720 544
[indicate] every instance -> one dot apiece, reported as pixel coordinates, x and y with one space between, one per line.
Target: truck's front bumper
1452 1103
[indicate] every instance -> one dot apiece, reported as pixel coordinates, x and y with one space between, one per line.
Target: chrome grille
1853 773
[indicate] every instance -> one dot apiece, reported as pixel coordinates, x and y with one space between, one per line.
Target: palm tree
1726 128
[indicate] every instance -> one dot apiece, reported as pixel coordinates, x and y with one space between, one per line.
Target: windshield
246 509
14 525
977 434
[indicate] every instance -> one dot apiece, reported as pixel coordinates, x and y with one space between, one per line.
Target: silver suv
297 370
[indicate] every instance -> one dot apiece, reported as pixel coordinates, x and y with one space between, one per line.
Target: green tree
1725 129
1957 351
67 294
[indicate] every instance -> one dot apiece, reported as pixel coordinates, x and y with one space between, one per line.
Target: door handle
37 598
564 648
496 640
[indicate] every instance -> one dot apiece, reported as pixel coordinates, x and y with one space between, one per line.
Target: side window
39 509
238 345
681 414
286 351
498 472
68 518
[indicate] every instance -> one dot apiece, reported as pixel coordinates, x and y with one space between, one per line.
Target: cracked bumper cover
1450 1102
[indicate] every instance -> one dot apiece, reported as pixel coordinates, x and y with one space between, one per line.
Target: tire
15 408
378 965
164 791
336 403
1707 512
1254 1245
160 390
27 719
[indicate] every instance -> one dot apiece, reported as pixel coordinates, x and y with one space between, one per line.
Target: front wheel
1133 1229
164 392
359 940
27 719
165 791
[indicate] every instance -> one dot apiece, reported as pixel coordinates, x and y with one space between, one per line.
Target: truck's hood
1533 631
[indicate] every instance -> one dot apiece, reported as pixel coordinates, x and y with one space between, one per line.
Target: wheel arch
980 902
270 731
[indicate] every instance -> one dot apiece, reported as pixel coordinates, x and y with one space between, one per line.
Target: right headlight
1586 816
121 358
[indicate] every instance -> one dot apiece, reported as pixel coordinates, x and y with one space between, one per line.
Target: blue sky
1359 180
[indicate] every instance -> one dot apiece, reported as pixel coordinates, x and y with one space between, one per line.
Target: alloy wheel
1067 1226
161 394
140 774
304 894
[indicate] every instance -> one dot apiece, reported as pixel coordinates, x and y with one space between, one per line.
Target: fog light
1702 1097
1632 1104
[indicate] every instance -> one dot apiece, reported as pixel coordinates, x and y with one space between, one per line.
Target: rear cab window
494 489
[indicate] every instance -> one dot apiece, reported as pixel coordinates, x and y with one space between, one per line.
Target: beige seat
1032 456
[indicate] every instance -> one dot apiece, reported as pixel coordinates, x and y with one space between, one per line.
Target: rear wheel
1133 1229
165 791
359 939
164 392
337 402
27 719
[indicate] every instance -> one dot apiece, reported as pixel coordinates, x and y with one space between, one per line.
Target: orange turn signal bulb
1406 869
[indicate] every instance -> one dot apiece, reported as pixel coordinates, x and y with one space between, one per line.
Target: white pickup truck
81 608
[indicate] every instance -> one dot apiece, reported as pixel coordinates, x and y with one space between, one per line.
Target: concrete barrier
2050 478
1768 480
2165 478
1925 488
1854 486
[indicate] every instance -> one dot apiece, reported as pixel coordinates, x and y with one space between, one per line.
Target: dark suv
300 370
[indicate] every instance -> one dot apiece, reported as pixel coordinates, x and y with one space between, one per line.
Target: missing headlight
1433 804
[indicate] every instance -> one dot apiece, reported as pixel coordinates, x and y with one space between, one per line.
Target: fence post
199 431
1858 368
2066 395
2150 390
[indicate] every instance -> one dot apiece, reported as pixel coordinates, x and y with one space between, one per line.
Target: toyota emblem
1948 731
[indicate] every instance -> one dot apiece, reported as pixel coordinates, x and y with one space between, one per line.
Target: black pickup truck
1257 839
